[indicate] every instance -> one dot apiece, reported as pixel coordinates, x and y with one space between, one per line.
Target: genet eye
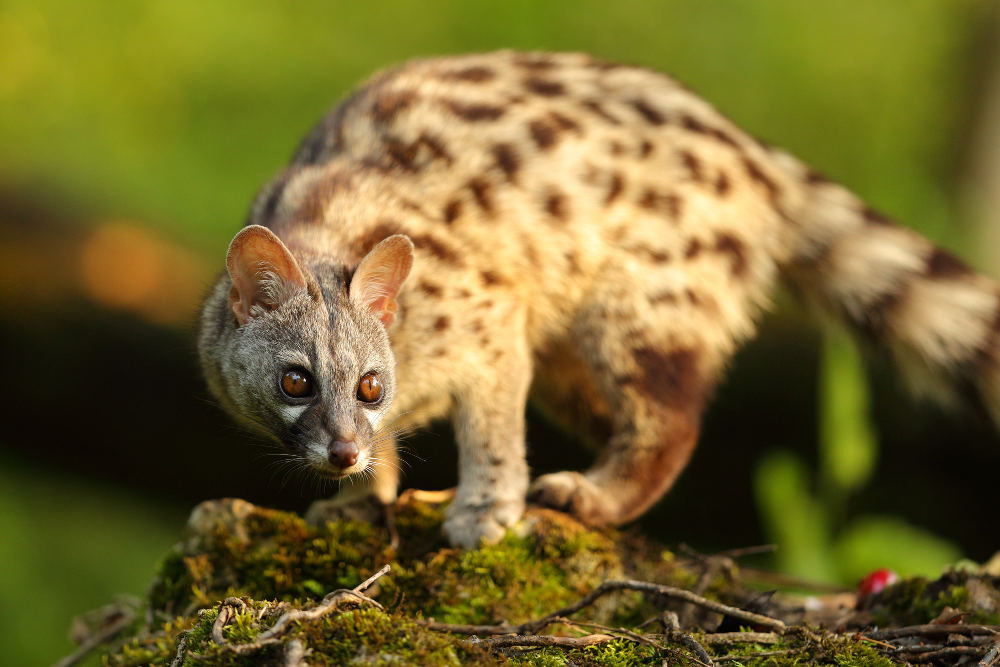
369 388
296 383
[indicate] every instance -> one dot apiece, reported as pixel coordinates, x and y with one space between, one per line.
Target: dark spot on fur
440 352
660 202
452 210
312 206
598 110
942 264
692 124
464 293
614 188
400 154
693 249
312 148
387 105
543 134
813 177
757 175
617 147
407 156
645 149
652 115
476 326
490 278
474 74
274 198
564 122
573 261
435 247
435 146
544 87
656 256
722 184
534 61
480 189
692 297
874 217
872 321
430 289
441 323
730 245
473 112
988 353
507 159
411 205
670 379
663 297
381 231
693 165
555 205
604 65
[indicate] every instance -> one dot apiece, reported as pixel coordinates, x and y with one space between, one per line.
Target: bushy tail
938 318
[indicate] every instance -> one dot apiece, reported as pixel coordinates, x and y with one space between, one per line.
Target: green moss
513 580
274 561
918 600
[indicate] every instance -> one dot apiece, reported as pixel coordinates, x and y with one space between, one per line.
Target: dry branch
657 589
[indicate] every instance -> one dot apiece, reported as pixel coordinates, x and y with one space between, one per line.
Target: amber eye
370 388
296 383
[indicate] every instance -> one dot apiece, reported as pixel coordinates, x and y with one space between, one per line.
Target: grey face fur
325 331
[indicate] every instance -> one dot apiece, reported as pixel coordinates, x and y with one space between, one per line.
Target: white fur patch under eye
372 418
292 412
316 454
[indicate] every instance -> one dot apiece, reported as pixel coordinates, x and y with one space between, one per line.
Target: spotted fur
593 232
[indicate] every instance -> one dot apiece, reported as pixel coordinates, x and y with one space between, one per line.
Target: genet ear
263 272
379 276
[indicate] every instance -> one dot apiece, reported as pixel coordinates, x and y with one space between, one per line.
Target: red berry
876 582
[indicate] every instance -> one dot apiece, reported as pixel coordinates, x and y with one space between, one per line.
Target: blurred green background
134 135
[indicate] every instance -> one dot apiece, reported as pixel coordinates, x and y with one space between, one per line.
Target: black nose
343 454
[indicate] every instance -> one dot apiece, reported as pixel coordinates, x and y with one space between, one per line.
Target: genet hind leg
656 383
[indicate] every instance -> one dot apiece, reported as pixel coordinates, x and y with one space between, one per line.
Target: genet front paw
471 525
576 495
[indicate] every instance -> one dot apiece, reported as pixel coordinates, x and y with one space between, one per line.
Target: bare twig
692 644
753 656
656 589
295 653
779 579
712 566
739 552
329 603
992 656
948 651
504 641
181 654
621 632
270 637
726 638
225 613
462 629
105 634
933 631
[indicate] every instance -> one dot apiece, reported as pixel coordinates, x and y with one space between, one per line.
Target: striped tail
938 318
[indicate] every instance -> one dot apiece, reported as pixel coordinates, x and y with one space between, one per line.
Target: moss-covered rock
254 565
